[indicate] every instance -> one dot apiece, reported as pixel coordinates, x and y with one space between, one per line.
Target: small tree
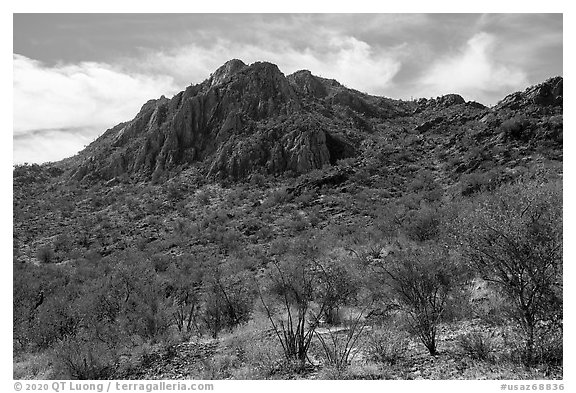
184 288
513 239
228 300
423 280
339 286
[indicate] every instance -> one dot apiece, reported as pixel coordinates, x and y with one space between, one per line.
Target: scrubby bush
387 346
426 185
228 300
294 285
423 280
203 198
516 128
45 254
257 179
219 366
278 197
82 358
176 191
260 355
513 239
62 243
340 347
472 183
340 286
476 345
422 224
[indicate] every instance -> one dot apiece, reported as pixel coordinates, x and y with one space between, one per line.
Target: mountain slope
252 118
241 118
166 228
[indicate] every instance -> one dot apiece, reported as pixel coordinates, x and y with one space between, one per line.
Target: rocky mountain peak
306 83
444 101
226 71
253 118
548 93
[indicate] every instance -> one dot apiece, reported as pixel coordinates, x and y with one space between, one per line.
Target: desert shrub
184 289
56 319
138 294
340 286
33 366
35 288
257 179
549 345
339 346
547 352
45 254
345 162
229 240
82 358
387 346
203 198
176 191
228 300
476 345
459 307
62 243
295 223
513 238
293 284
473 183
161 262
219 366
423 224
516 128
426 185
300 287
259 353
278 197
423 280
237 196
305 197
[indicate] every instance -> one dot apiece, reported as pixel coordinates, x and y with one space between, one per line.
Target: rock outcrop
548 93
252 118
240 120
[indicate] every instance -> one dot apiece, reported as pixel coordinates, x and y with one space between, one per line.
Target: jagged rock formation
548 93
253 118
242 119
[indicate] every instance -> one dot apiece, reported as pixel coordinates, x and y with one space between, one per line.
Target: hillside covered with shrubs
261 226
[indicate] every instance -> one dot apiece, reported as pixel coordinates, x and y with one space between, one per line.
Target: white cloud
95 96
48 100
89 96
48 145
473 72
346 59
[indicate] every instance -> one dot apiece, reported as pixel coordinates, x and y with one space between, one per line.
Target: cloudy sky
75 75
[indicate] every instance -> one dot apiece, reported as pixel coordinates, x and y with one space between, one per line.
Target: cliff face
252 118
242 119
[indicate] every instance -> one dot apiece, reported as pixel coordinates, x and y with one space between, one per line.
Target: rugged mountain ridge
226 118
252 118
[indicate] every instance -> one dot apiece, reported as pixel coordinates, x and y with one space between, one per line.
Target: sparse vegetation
423 280
514 241
444 242
476 345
